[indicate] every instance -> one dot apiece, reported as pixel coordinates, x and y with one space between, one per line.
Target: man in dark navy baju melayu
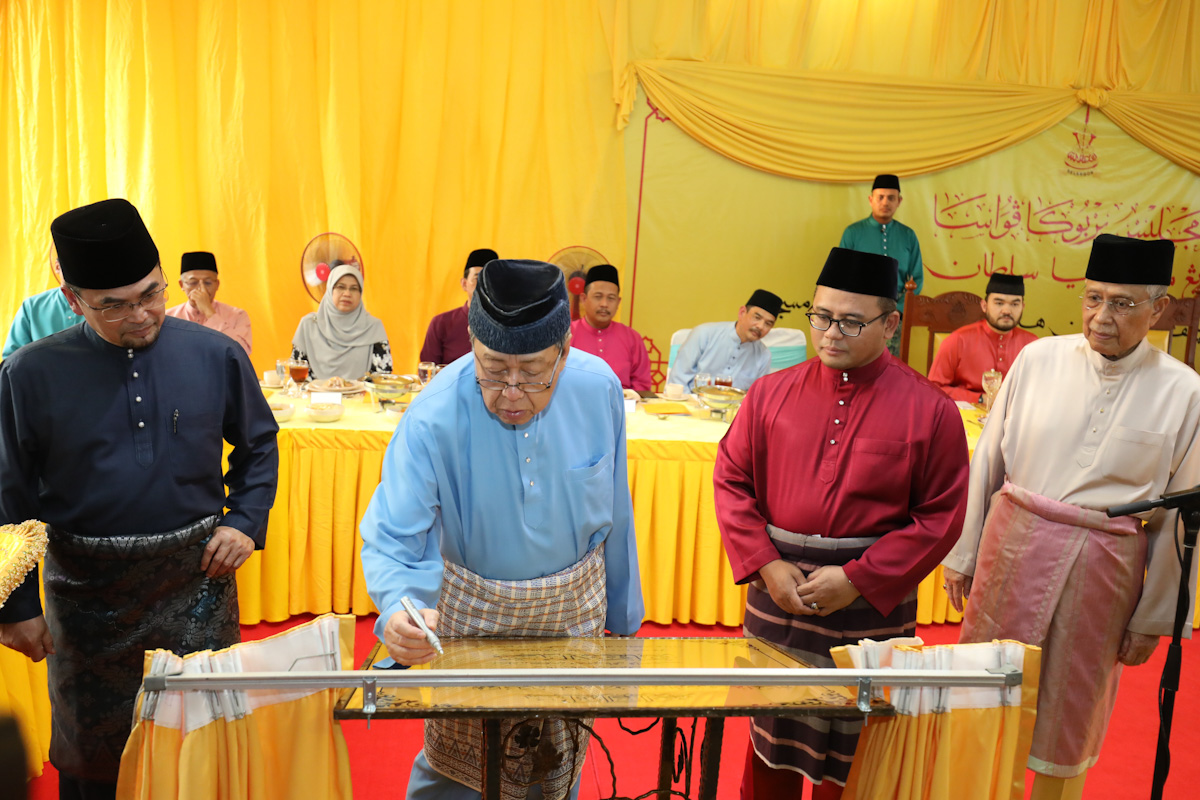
111 433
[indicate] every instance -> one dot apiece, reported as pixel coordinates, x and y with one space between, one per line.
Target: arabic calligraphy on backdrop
962 215
986 266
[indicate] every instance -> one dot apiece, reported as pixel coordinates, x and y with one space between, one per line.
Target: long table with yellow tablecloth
328 472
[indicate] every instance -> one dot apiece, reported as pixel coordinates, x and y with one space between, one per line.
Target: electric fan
321 255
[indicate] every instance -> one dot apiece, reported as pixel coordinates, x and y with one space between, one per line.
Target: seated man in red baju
991 343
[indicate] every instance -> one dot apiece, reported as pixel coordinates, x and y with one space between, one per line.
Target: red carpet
380 757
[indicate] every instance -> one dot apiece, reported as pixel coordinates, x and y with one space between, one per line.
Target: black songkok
104 245
602 272
197 260
1117 259
861 273
519 307
1001 283
479 258
886 182
770 303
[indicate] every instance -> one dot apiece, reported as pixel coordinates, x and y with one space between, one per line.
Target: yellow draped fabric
828 91
800 125
244 745
946 744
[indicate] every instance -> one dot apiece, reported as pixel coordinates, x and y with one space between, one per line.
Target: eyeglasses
1120 306
527 388
119 311
848 327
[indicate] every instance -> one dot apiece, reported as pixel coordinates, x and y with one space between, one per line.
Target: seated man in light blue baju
729 349
504 510
39 316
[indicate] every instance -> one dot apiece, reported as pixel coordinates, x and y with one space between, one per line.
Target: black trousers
70 788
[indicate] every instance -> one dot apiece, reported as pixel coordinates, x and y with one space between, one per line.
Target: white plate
323 386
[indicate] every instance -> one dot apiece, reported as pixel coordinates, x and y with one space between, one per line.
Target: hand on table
30 637
227 550
405 642
1136 648
827 590
957 586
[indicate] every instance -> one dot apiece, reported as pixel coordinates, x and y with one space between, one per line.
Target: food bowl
324 412
390 387
720 396
720 399
281 411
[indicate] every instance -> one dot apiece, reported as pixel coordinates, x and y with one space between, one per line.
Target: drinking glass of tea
723 380
297 374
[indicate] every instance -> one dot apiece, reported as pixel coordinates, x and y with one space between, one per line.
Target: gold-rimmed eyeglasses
1120 306
528 387
116 312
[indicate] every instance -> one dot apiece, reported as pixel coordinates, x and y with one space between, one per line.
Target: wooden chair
942 314
1183 312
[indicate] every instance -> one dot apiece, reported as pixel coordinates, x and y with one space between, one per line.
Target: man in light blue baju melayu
505 487
729 349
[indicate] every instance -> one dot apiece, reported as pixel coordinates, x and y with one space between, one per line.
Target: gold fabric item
945 744
21 548
257 744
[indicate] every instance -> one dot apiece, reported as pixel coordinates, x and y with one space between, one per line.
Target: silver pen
419 621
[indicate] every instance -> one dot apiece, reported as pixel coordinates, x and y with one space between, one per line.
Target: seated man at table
991 343
595 332
447 338
840 485
731 349
41 315
199 281
504 510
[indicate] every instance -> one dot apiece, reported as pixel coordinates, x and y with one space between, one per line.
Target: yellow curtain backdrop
421 130
945 744
245 744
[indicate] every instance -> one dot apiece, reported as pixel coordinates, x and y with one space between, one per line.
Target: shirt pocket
879 471
1132 457
589 491
196 446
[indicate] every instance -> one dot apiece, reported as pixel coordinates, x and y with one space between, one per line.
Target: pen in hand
419 621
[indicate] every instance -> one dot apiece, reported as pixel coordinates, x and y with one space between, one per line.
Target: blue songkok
519 307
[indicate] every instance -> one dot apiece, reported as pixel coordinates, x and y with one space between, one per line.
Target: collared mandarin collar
858 375
1122 366
103 345
590 328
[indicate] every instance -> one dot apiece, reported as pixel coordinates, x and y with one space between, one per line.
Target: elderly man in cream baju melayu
1082 423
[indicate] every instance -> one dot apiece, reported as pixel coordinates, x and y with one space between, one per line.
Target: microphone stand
1188 503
